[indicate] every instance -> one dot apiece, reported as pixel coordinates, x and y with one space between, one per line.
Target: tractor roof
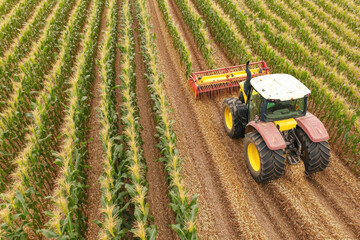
283 87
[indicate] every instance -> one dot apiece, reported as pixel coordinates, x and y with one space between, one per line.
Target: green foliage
185 209
34 173
198 29
178 42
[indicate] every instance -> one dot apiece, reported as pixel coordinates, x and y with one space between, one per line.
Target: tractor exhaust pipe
247 85
248 78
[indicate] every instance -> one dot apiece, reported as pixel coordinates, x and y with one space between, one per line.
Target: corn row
336 12
137 186
35 168
198 29
315 44
14 119
112 180
349 6
224 31
185 209
39 62
341 30
322 30
340 119
9 63
6 6
67 220
301 56
14 23
178 41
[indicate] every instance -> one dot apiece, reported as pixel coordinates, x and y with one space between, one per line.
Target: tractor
271 115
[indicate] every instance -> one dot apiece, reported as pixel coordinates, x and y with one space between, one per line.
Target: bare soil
95 150
232 205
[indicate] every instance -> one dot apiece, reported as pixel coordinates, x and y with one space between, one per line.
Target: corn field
101 137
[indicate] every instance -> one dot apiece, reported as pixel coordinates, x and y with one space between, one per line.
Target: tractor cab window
285 109
255 103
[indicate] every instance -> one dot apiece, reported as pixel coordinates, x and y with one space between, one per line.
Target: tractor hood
281 87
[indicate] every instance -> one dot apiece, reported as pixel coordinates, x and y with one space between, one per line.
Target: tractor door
255 103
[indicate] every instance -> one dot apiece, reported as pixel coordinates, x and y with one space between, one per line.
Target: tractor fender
313 127
269 132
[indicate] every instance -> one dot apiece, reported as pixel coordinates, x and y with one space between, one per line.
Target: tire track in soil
158 190
326 212
276 212
94 146
226 227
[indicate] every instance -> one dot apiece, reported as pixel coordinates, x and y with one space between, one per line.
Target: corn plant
198 29
9 63
336 12
14 23
178 41
35 169
225 32
67 220
184 208
305 35
137 185
112 181
6 6
340 29
14 119
322 30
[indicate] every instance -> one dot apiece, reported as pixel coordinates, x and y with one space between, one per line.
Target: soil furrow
95 150
319 211
158 190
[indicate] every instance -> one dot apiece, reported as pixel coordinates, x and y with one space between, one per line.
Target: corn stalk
21 47
197 26
6 6
67 220
185 209
14 119
112 180
35 169
14 23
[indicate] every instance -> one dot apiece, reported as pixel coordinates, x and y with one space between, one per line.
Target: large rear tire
264 164
232 110
316 155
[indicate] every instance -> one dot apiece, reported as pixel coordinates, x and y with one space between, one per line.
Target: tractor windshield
285 109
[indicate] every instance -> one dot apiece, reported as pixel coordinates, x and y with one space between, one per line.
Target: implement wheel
316 155
264 164
232 108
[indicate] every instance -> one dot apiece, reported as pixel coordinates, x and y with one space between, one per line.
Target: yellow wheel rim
228 118
253 156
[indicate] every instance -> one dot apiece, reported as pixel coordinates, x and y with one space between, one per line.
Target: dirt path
158 190
95 149
322 206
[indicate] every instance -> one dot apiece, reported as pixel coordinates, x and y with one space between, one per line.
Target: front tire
264 164
231 109
316 155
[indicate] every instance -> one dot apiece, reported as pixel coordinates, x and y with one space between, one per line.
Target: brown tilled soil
232 205
157 196
95 150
